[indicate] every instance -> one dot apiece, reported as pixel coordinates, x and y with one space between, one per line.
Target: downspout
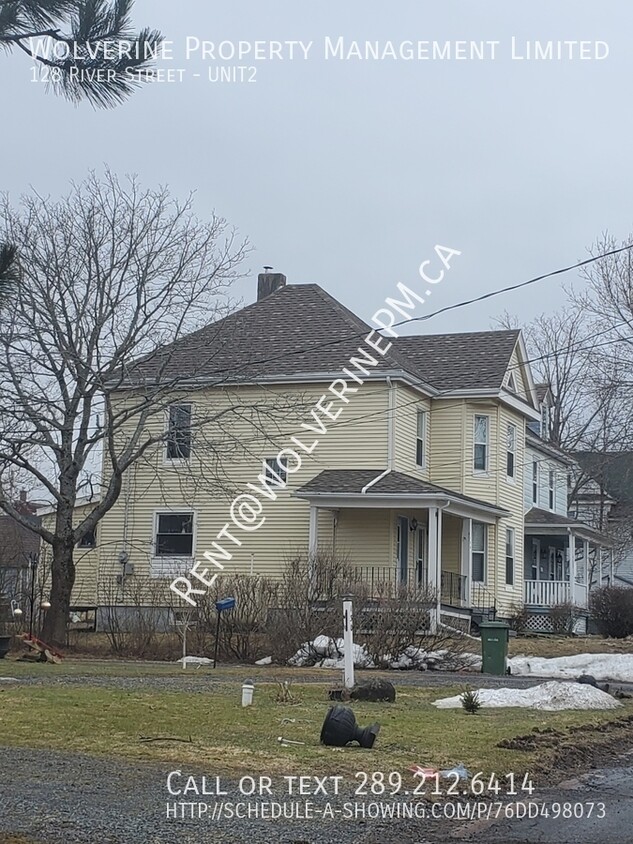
391 424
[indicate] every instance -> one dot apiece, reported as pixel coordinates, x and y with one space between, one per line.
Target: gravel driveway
68 798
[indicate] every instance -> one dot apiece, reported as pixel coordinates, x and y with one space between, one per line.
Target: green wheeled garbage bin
494 647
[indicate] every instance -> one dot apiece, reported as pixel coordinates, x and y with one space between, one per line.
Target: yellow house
405 454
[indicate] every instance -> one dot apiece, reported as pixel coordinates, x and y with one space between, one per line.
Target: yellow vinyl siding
357 439
519 378
408 402
446 447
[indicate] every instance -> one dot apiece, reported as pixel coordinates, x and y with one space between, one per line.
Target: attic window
512 384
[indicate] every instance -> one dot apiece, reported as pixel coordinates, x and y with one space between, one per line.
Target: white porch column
313 538
585 562
435 562
611 567
466 562
572 567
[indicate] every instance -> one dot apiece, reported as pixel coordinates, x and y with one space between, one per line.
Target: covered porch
560 556
401 532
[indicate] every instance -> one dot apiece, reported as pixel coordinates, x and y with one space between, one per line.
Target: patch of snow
618 667
195 660
9 680
267 660
552 696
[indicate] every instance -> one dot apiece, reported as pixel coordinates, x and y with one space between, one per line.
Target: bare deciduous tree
112 273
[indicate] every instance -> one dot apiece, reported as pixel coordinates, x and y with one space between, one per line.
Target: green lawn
232 740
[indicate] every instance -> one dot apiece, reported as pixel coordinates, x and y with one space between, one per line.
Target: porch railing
387 580
547 593
453 590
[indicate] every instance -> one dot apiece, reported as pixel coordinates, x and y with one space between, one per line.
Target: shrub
562 618
471 702
518 617
612 611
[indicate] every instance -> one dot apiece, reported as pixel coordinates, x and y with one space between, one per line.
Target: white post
467 559
585 557
435 563
313 542
348 643
572 567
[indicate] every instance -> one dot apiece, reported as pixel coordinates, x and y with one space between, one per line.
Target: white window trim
512 478
510 531
422 413
179 564
176 461
275 468
485 553
551 490
482 472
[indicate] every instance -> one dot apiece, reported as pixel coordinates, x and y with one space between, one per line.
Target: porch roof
544 521
386 488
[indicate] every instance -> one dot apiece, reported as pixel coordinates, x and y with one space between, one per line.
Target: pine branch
103 60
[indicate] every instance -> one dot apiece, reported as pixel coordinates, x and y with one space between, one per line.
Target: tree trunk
62 582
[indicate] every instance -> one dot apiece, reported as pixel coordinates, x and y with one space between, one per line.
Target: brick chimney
268 283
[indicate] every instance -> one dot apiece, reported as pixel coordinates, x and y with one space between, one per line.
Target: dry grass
554 646
230 740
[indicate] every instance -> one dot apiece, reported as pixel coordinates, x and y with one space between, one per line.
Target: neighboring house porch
560 556
401 531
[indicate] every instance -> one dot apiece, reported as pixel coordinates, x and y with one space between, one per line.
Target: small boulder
375 690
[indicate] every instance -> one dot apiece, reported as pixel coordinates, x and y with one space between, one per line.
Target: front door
403 549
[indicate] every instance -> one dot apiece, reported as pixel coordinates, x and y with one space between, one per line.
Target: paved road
602 802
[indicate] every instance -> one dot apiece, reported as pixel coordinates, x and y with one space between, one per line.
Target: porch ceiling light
413 524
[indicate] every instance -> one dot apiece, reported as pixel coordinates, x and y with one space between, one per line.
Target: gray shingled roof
353 481
301 330
545 518
298 329
477 360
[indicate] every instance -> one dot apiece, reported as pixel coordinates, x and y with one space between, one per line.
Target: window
420 451
174 535
88 540
512 384
276 472
511 449
179 432
480 463
535 482
478 551
544 421
551 489
510 556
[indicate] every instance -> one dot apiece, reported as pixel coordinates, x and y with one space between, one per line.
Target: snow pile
552 696
618 667
195 660
329 653
325 652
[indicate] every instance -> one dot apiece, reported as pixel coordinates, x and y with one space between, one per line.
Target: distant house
423 475
603 497
18 544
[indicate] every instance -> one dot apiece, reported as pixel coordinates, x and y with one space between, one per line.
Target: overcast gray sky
347 173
